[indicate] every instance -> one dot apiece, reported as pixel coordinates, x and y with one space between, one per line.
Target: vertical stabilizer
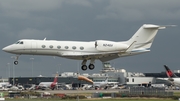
144 37
169 73
54 83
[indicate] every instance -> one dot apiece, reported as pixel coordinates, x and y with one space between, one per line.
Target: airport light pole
8 64
59 68
13 57
78 68
32 66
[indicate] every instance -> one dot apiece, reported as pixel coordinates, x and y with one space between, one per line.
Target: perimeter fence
137 92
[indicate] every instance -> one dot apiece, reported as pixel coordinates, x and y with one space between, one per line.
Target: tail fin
169 73
55 78
106 80
144 37
53 84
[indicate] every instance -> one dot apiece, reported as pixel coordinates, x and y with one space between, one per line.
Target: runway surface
90 91
79 91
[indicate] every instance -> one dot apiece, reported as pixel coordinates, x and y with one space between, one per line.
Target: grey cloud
89 20
141 9
25 8
85 3
31 33
30 5
127 15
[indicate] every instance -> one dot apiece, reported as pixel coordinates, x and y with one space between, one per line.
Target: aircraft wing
92 55
102 56
108 57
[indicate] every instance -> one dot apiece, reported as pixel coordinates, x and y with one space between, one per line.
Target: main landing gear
91 65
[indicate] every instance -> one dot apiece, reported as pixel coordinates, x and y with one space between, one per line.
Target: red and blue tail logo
54 83
169 73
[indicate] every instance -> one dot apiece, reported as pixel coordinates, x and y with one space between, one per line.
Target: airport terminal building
121 76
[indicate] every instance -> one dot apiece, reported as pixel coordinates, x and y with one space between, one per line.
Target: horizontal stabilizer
149 26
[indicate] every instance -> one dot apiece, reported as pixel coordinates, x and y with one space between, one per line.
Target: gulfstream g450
102 50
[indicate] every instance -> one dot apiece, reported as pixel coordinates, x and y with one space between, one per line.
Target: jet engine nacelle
103 45
171 79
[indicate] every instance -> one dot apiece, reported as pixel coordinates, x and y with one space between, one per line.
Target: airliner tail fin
55 78
54 83
169 73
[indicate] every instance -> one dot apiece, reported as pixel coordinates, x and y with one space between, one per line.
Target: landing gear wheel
91 66
15 62
84 67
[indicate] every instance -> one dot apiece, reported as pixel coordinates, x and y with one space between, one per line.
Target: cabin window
43 46
81 48
127 80
133 80
74 47
51 46
66 47
58 47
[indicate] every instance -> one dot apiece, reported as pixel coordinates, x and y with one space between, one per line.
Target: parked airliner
97 84
51 85
102 50
101 84
171 76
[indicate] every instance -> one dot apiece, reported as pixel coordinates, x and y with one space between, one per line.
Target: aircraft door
33 47
27 47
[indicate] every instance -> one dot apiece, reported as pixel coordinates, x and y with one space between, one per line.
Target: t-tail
169 73
143 38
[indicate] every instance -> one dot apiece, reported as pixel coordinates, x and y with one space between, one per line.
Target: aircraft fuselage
68 49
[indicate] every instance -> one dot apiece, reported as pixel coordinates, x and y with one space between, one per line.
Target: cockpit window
19 42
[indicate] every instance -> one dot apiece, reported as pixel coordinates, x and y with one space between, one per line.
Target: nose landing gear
15 62
16 59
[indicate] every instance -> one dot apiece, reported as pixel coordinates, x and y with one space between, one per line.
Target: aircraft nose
7 49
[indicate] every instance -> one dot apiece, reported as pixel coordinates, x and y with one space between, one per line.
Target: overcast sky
88 20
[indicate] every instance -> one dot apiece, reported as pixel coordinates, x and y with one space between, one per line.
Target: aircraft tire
84 67
15 62
91 66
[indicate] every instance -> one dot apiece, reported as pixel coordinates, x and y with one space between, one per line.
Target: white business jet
102 50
